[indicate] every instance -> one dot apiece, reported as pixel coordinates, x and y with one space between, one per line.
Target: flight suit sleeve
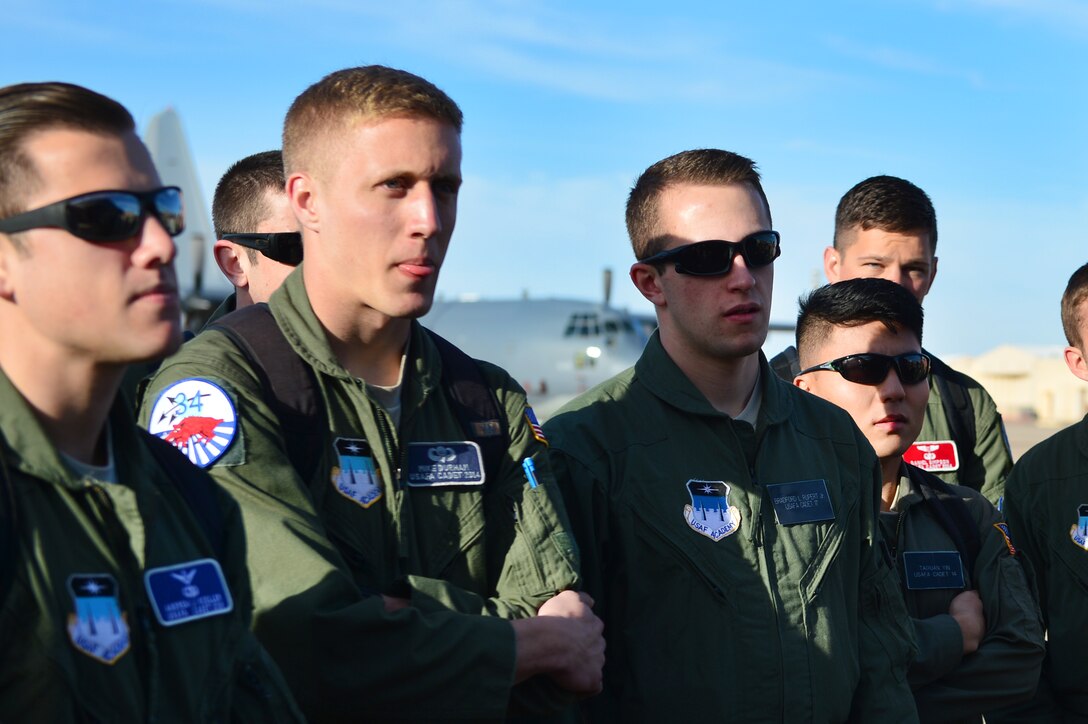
1005 668
529 545
940 649
343 655
885 638
991 445
1031 546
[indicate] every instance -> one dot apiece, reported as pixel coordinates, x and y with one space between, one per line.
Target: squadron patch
356 477
188 592
197 417
709 513
938 456
1003 529
534 425
98 627
1079 532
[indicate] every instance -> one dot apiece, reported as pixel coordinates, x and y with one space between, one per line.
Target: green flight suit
1046 503
499 549
948 686
768 622
80 639
984 458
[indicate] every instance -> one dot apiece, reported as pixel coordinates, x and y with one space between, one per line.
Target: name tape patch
438 464
188 592
927 570
805 501
938 456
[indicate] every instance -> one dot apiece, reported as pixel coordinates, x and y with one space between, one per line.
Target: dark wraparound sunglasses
872 368
282 246
715 257
105 216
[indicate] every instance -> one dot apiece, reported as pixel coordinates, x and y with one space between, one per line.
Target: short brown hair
29 108
887 203
238 205
705 166
1076 292
343 98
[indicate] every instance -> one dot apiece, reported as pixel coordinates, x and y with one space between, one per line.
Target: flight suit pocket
543 558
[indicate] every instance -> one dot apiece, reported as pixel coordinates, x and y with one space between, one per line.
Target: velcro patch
197 417
938 456
1003 529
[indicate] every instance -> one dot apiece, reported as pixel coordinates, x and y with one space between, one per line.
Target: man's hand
392 603
564 641
966 608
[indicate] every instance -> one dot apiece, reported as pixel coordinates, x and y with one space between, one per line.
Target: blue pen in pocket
530 471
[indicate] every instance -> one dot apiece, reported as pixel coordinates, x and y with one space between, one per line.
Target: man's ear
800 381
227 256
302 192
647 279
8 253
1075 361
832 265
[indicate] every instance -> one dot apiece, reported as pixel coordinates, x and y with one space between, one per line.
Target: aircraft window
582 325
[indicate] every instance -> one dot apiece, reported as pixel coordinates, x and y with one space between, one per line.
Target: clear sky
983 103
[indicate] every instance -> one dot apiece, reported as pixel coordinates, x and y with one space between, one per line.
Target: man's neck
69 395
726 383
889 472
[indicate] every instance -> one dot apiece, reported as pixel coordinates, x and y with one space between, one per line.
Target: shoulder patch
197 417
534 425
1003 529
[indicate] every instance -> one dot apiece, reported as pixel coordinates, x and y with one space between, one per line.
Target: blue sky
983 103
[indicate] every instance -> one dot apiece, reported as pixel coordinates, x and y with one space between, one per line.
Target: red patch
936 457
201 428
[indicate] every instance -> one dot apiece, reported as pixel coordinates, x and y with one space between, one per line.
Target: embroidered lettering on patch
937 456
534 425
356 477
1003 529
197 417
709 513
930 570
439 464
98 628
804 501
1079 532
188 592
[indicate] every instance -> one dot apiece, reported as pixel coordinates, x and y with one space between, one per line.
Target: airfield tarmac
1024 435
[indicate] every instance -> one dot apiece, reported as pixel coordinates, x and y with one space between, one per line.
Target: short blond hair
347 96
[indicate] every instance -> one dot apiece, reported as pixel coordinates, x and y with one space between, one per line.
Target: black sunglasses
715 257
282 246
105 216
872 368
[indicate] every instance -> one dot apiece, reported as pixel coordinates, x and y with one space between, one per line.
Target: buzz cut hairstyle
30 108
887 203
1076 293
240 202
702 167
353 95
852 303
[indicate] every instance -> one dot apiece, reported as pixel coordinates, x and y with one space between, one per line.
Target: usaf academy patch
356 477
197 417
1079 532
709 513
98 627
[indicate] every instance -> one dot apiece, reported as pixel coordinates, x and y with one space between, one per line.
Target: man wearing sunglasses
980 640
123 589
886 227
726 521
400 507
257 240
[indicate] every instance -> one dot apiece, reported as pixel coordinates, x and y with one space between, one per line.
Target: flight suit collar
290 305
666 380
29 450
1081 434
